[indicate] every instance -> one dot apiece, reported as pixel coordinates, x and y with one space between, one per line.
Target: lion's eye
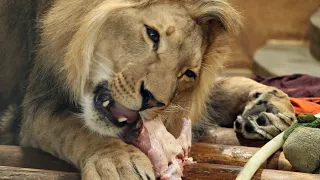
190 74
154 36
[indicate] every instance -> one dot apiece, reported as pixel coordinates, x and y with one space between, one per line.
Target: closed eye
154 37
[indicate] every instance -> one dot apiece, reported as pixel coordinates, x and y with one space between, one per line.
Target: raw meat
167 153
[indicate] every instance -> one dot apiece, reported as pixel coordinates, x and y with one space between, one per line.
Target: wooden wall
269 19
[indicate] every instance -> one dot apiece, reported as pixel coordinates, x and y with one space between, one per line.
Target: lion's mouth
112 110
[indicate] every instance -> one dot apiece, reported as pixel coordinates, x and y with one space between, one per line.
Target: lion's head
132 58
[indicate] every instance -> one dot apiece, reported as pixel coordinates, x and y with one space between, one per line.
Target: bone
167 154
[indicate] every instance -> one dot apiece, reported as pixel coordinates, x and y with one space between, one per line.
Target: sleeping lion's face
139 59
141 62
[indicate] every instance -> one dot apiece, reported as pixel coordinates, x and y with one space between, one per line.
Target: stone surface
279 58
315 35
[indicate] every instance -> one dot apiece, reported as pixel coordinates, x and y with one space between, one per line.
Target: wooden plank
14 173
228 136
202 171
24 157
315 35
235 156
16 156
198 171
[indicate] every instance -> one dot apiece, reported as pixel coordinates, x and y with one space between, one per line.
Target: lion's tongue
164 149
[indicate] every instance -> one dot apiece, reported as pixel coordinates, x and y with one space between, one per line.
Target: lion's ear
218 13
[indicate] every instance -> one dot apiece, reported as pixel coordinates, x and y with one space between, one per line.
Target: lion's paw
267 114
128 163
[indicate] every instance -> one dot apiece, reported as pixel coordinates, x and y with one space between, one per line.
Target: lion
77 76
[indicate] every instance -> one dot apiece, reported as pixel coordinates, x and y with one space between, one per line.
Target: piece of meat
167 154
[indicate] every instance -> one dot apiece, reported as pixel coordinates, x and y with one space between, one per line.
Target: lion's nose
148 100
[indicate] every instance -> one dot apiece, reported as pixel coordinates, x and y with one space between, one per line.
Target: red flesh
167 154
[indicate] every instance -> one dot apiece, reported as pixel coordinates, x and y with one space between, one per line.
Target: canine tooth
106 103
123 119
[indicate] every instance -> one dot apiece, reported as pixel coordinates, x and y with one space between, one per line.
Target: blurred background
279 37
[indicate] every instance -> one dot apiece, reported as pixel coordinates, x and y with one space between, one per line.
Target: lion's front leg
98 158
253 109
117 161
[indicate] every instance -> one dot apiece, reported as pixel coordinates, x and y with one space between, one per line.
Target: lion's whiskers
213 65
175 108
208 69
183 101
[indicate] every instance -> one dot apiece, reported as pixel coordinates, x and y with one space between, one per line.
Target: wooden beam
24 157
198 171
14 173
235 156
227 136
202 171
17 156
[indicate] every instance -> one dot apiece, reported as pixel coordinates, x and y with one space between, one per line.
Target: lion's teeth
106 103
123 119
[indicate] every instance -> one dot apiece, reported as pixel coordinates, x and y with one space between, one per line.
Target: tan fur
79 55
80 44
